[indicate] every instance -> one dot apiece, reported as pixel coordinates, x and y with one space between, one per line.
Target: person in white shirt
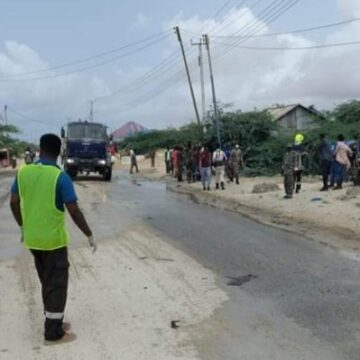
219 160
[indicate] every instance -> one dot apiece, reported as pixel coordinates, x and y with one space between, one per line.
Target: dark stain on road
240 280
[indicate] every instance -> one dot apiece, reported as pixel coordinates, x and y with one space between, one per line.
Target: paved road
303 302
304 283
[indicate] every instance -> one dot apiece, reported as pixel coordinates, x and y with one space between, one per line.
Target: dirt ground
121 300
332 217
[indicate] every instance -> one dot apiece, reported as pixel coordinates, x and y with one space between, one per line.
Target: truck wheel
107 174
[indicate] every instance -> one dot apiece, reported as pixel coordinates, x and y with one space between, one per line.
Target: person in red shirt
205 167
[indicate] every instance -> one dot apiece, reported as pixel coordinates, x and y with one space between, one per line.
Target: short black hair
341 137
50 144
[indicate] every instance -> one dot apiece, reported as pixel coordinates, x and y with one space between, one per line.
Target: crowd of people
199 163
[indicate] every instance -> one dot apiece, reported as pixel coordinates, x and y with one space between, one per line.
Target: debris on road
174 324
240 280
265 188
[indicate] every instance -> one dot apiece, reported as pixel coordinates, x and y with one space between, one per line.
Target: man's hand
92 244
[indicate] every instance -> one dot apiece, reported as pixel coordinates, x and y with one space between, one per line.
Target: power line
25 117
102 63
252 25
222 8
174 79
160 69
241 15
350 43
88 59
292 31
270 18
171 81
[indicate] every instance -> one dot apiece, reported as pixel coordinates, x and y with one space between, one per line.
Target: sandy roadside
121 300
330 217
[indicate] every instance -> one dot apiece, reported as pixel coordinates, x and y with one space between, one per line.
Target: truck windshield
86 131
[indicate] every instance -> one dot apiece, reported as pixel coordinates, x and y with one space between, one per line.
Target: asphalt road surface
289 297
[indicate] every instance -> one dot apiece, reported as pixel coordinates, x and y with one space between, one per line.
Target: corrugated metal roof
279 111
128 129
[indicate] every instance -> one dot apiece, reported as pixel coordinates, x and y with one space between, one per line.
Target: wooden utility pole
177 32
91 117
216 111
200 44
5 115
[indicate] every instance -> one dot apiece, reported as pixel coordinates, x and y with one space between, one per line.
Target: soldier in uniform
299 150
236 161
288 171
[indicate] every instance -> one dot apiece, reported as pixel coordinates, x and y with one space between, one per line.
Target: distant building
294 117
129 129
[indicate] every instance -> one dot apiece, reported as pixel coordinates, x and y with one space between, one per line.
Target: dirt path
121 303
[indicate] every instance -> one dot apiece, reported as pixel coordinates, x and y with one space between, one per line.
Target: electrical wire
88 59
322 46
315 28
163 67
250 27
270 18
25 117
102 63
241 15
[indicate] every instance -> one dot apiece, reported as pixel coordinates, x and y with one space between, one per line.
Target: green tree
348 112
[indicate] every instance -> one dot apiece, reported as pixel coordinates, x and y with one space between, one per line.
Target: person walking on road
205 168
236 161
288 170
167 157
133 161
39 196
152 156
219 160
325 156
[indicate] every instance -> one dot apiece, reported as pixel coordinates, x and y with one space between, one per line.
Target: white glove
92 243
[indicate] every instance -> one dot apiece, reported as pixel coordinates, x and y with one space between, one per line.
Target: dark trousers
298 178
132 167
340 173
289 182
326 171
53 270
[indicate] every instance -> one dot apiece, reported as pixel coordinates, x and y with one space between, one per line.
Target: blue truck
86 149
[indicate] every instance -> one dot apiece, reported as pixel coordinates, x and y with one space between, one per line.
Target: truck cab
85 149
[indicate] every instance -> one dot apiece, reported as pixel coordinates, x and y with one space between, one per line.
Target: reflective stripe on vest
43 224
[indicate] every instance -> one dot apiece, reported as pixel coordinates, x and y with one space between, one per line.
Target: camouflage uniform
236 162
299 168
288 168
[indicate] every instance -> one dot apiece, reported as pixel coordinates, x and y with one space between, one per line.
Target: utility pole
5 115
177 32
216 111
91 118
200 44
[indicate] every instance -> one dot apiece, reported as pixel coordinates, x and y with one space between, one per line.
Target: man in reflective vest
39 195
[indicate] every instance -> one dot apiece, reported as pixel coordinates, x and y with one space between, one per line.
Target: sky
141 77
